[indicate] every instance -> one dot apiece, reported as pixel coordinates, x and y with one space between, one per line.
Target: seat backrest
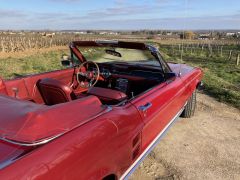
54 91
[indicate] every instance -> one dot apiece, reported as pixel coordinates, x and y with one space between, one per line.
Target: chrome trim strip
44 141
30 144
132 168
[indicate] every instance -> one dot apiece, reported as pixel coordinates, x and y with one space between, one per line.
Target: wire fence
230 53
18 43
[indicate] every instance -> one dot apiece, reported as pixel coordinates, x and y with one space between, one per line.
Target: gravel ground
206 146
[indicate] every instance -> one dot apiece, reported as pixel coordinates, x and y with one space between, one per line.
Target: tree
187 35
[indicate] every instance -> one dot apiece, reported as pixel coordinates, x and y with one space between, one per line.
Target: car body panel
84 139
166 102
110 135
42 122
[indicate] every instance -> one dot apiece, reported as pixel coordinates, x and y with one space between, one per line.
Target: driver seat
54 91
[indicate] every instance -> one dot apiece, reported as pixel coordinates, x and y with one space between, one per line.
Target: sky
119 14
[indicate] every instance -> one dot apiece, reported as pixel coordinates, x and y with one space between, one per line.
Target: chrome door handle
145 107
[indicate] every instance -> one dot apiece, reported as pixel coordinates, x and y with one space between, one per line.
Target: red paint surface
90 148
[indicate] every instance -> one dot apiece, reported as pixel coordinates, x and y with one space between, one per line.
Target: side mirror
170 75
66 62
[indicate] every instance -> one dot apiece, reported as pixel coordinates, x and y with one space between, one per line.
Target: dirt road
206 146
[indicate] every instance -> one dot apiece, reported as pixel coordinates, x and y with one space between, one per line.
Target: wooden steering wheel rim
96 78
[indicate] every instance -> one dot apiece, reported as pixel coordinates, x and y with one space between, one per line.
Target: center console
122 85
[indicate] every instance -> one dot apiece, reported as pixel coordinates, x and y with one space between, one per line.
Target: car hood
30 123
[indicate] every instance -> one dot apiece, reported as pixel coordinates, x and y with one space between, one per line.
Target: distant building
12 33
230 34
103 33
50 35
113 33
205 36
23 34
81 32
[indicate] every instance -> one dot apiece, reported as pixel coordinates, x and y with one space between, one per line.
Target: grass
221 76
12 67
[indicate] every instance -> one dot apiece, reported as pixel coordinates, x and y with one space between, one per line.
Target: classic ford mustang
96 119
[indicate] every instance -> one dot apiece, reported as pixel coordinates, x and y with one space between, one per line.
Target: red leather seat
109 96
54 91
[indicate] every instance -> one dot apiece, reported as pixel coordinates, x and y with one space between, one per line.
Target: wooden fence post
230 55
238 59
182 51
221 54
210 50
29 43
202 49
3 48
172 49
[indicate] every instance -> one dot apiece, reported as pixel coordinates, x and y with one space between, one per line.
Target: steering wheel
85 77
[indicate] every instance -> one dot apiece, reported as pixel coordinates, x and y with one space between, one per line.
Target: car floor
206 146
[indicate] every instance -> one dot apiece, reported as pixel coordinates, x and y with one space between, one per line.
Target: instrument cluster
103 72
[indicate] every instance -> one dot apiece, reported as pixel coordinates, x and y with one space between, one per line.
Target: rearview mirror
113 52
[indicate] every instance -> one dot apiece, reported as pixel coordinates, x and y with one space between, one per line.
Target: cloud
123 8
8 13
120 2
122 14
213 22
72 21
116 11
49 16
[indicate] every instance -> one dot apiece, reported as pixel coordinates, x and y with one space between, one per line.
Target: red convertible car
96 119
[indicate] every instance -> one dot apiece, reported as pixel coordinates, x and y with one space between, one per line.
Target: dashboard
108 70
129 79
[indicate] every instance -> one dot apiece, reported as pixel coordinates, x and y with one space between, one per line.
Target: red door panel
17 88
25 88
161 104
62 75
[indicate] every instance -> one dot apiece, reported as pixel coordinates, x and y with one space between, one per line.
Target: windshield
109 55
